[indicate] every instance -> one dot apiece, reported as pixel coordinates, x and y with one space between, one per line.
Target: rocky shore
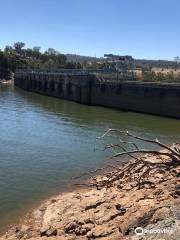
3 81
136 201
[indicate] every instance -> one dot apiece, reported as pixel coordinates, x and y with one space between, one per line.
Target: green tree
18 47
36 52
20 57
4 70
70 65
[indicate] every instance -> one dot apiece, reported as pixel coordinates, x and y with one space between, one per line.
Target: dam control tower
124 65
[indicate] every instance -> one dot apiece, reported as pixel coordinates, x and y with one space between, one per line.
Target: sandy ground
134 199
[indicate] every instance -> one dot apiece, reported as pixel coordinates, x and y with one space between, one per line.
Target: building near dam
123 65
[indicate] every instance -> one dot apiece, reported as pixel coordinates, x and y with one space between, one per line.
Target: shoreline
10 81
108 212
26 213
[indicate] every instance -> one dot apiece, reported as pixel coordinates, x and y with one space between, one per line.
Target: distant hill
138 62
156 63
79 58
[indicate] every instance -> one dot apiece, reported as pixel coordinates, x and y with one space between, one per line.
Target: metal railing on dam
88 87
54 71
101 74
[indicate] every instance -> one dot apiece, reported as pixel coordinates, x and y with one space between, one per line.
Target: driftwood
172 152
140 169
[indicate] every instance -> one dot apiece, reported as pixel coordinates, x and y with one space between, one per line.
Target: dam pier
103 89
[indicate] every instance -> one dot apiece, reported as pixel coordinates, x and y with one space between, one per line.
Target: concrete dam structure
87 88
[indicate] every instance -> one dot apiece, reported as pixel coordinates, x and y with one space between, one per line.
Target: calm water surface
47 141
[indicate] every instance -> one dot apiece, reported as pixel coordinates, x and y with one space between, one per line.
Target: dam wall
148 98
153 98
69 87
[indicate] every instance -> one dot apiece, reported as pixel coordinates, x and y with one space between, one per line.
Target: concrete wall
141 97
147 98
75 88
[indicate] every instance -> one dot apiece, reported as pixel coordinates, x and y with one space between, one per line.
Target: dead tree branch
136 172
172 152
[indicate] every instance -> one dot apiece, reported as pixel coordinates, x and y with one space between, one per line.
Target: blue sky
142 28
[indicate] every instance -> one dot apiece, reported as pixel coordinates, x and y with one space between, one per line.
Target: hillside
79 58
138 62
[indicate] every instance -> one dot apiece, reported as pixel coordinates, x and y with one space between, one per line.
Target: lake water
45 141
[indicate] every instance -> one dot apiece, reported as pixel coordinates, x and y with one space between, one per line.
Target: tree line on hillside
151 76
145 64
17 56
148 64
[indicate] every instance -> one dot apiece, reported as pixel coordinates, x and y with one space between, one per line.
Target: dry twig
138 170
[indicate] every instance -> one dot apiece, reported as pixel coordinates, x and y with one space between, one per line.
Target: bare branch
142 151
139 169
173 150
